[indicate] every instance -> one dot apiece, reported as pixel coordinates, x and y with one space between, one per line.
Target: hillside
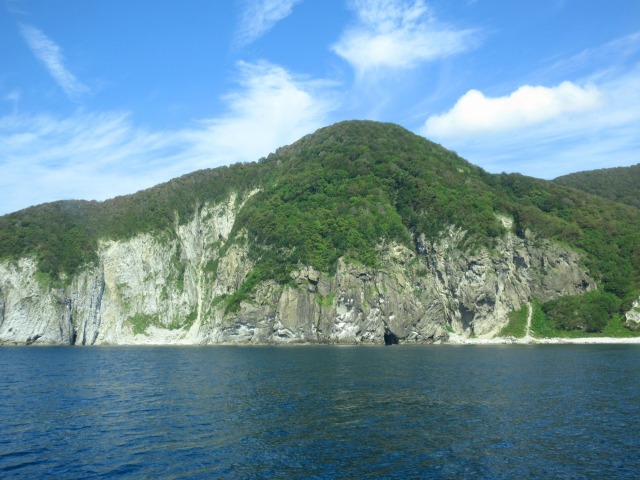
621 184
337 200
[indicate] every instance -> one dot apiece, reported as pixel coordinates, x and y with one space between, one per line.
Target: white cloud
474 113
596 128
272 109
100 155
398 34
259 16
50 55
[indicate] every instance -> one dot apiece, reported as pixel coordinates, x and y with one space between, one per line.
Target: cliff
354 231
152 290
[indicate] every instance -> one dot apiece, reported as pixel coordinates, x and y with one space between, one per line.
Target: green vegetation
540 325
185 323
615 328
543 327
345 189
619 184
605 232
341 192
589 312
326 300
43 280
140 322
63 236
517 325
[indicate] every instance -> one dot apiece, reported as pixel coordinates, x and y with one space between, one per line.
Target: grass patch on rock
517 325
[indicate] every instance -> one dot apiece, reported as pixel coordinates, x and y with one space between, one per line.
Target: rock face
170 289
632 316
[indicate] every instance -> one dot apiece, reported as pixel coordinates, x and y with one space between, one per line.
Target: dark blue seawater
556 411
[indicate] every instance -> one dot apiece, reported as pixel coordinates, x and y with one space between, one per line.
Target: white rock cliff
167 289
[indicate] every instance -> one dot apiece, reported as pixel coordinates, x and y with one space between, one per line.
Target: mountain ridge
619 183
333 202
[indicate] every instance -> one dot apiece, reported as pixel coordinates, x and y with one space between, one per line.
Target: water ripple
320 412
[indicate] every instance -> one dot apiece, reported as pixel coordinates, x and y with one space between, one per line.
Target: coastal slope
356 229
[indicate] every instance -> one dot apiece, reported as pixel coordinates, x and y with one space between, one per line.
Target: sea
320 412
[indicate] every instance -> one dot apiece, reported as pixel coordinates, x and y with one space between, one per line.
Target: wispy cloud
619 53
259 16
50 54
272 108
398 34
98 156
474 113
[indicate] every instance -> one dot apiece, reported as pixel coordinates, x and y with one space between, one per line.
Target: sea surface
543 411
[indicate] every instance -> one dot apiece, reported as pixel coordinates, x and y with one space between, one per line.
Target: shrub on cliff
589 312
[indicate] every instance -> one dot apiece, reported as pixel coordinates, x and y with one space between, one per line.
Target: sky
100 98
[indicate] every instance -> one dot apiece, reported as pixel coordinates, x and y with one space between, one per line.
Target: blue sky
100 98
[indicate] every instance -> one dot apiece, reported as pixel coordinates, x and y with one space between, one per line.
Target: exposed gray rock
633 316
171 289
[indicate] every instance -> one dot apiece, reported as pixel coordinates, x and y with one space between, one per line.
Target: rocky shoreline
453 340
458 340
